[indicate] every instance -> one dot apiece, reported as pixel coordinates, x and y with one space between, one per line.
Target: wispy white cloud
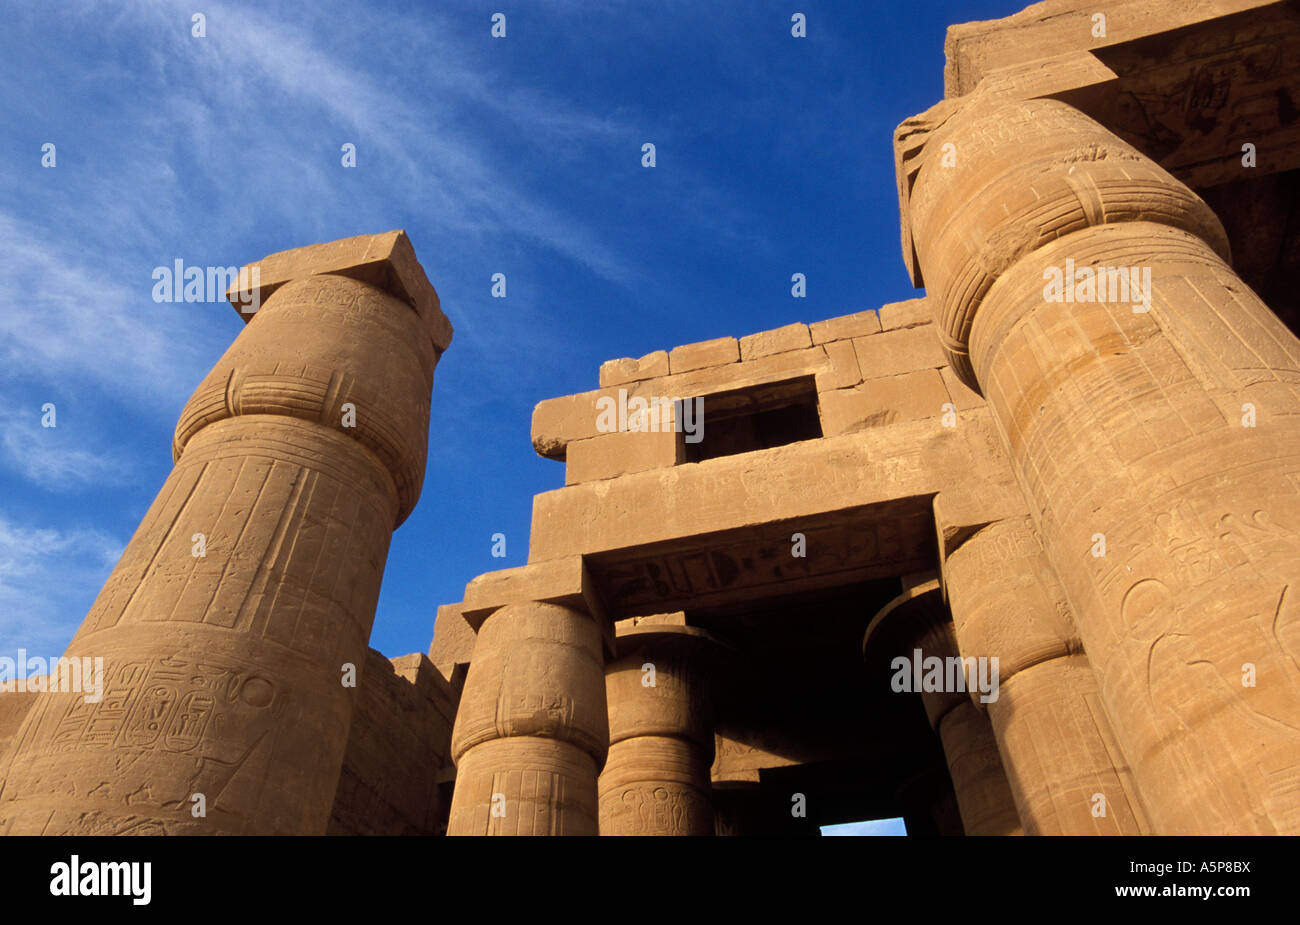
48 579
72 323
224 148
241 129
50 457
280 79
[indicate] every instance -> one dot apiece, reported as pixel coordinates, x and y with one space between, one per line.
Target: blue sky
873 827
519 155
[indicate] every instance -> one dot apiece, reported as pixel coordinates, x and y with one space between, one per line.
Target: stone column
252 580
1154 437
532 731
656 780
1065 768
917 621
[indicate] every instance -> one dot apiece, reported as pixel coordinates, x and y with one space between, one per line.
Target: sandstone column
1064 766
252 580
917 620
1157 449
532 731
656 780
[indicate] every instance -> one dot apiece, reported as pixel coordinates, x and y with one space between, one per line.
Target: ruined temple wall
899 424
871 369
397 748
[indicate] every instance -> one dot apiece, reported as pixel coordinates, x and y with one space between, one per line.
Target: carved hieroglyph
251 583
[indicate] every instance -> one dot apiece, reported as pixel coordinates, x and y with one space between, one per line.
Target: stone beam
386 261
565 581
800 480
1042 30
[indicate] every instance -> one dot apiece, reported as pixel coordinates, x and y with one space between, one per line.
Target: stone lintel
1041 30
636 632
676 618
739 763
386 261
881 465
1078 77
960 515
726 525
565 581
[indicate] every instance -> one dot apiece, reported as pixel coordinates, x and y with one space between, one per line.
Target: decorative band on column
524 785
655 785
363 368
1027 173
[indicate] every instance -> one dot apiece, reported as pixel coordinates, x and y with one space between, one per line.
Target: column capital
1003 178
386 261
916 619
